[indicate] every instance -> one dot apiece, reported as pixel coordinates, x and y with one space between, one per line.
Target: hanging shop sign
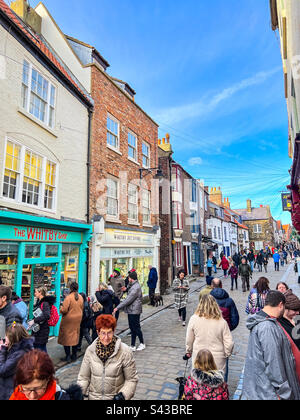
38 234
286 202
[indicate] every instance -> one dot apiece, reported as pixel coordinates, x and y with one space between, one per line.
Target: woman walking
17 342
265 263
206 382
181 287
225 265
108 370
209 265
208 330
234 273
72 313
42 314
133 307
258 295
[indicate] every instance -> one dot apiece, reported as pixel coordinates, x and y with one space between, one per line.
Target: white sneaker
133 349
183 324
141 347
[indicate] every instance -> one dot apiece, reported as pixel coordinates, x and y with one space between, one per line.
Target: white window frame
135 202
109 216
26 106
146 210
144 156
110 146
135 149
21 176
179 254
257 228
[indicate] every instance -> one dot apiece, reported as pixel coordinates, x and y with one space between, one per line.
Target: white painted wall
68 147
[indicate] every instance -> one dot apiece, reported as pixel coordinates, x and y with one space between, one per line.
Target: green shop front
41 252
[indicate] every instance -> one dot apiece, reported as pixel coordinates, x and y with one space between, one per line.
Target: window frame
113 119
136 204
117 181
21 176
178 254
146 223
148 157
135 149
256 230
26 100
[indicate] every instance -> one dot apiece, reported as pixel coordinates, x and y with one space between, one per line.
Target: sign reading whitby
37 234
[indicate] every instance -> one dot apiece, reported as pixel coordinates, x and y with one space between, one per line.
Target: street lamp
159 175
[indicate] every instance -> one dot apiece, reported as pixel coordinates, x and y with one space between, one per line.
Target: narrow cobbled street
161 363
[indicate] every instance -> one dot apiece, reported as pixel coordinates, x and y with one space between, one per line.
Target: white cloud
204 107
195 161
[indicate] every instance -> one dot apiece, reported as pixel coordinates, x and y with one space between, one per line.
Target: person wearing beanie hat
288 322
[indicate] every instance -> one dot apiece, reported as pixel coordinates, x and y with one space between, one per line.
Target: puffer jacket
270 370
133 304
104 381
206 386
45 304
8 364
10 314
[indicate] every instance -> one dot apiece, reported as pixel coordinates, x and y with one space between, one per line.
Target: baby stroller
182 381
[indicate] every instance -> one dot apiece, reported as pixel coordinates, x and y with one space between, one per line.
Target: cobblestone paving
161 363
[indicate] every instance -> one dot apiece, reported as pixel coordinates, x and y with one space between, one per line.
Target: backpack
54 316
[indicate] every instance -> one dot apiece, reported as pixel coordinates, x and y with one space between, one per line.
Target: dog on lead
158 300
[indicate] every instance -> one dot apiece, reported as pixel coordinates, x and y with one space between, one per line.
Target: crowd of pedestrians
108 370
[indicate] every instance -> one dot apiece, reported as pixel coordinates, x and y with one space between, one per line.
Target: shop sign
37 234
126 253
286 202
128 238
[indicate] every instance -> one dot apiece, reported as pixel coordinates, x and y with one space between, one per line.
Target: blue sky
210 73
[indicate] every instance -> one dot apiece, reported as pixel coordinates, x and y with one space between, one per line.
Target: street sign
286 202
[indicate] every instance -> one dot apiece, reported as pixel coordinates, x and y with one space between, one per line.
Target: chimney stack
249 206
27 14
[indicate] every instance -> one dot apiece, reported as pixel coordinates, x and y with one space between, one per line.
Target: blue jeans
215 268
252 265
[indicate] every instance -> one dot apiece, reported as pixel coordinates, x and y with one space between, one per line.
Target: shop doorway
39 275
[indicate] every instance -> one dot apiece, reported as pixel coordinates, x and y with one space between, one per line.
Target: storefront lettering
39 234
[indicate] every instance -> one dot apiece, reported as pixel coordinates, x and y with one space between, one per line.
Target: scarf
48 396
105 352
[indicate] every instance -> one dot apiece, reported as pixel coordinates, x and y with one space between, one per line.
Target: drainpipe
90 116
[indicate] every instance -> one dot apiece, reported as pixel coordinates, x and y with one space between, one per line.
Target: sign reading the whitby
37 234
286 202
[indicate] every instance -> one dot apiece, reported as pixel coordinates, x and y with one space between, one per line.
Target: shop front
40 252
125 249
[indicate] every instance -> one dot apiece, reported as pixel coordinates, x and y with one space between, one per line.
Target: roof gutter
274 14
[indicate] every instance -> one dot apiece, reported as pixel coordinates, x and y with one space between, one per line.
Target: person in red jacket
225 265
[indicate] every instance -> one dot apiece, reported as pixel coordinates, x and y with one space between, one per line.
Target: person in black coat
86 323
226 304
106 298
42 314
236 259
17 343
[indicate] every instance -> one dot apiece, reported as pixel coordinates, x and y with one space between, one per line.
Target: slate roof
259 213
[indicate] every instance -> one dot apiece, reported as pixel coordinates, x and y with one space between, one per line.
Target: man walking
245 272
226 304
152 283
276 258
133 307
8 312
251 259
270 370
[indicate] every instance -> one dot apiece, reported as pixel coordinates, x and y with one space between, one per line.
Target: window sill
113 220
134 161
25 205
133 223
147 225
38 122
114 150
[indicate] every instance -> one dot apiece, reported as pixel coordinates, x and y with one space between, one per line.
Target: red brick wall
109 99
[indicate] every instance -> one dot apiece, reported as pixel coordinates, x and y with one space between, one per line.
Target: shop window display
8 264
69 270
123 264
105 271
141 266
